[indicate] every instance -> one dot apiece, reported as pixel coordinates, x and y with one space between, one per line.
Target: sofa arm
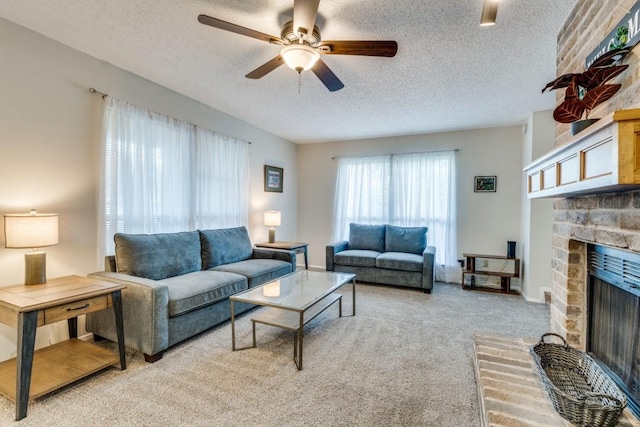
428 268
145 310
332 249
279 254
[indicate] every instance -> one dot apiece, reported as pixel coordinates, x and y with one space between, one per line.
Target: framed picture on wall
273 177
485 184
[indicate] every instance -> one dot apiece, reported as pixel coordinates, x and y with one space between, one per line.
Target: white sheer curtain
423 192
403 189
163 175
221 175
362 193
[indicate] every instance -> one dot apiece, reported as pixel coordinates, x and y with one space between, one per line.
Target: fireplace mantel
605 157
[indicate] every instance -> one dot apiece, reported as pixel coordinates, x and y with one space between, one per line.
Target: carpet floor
405 359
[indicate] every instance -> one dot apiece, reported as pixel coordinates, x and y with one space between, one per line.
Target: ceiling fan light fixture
489 13
300 57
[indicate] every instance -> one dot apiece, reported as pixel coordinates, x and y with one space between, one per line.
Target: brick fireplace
586 302
611 220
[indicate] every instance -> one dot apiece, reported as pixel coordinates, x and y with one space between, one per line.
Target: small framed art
485 184
273 177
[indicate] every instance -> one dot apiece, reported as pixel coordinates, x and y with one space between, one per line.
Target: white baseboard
539 299
312 267
88 337
542 292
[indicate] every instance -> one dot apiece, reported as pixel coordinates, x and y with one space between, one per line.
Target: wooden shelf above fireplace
605 157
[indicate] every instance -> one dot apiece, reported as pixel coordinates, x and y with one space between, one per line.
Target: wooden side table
298 247
34 373
505 276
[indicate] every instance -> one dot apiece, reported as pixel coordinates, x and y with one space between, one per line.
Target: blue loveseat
178 284
385 254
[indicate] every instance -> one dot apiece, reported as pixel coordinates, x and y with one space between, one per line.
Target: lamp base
272 235
35 268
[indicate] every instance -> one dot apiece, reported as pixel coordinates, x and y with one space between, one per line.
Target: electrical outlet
485 263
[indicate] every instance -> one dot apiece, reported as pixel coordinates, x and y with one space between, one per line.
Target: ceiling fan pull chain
299 81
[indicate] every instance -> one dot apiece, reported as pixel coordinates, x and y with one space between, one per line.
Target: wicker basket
580 390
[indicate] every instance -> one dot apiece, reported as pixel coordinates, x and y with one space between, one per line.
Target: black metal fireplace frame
620 269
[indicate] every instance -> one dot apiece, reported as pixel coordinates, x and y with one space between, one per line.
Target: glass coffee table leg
353 287
300 340
295 347
233 328
253 327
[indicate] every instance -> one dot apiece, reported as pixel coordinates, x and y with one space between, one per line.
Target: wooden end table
32 374
298 247
504 274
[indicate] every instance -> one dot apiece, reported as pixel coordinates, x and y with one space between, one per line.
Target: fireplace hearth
613 317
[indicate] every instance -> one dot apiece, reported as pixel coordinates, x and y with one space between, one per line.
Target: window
165 175
402 189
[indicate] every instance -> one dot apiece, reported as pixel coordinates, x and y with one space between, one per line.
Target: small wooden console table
504 275
34 373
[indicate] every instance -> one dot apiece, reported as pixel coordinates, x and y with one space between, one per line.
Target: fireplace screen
614 317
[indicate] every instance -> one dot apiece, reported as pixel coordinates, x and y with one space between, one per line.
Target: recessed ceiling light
489 13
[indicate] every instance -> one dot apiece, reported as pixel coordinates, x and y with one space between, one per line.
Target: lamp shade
32 230
299 57
272 218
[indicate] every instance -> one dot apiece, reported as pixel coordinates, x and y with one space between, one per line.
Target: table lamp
272 219
33 231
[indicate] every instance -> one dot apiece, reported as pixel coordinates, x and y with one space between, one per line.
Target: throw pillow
158 256
411 240
224 246
366 237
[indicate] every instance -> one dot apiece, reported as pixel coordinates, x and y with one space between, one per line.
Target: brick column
568 300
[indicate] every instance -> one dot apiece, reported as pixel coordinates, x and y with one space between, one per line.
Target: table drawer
76 308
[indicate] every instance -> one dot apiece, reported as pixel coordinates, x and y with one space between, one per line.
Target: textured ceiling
449 73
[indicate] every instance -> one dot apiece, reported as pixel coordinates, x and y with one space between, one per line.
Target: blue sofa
385 254
178 284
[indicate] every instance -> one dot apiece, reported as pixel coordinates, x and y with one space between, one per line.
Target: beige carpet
406 359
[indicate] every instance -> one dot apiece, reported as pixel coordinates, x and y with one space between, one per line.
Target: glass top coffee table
292 301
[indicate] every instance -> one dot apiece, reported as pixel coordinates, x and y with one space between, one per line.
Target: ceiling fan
302 45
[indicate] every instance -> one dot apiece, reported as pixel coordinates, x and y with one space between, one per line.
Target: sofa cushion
257 271
194 290
400 261
356 258
158 256
412 240
366 237
224 246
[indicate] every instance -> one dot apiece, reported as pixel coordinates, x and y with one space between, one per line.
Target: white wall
485 220
537 214
48 149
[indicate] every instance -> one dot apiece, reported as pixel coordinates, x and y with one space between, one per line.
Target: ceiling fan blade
386 48
266 68
304 17
228 26
326 76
